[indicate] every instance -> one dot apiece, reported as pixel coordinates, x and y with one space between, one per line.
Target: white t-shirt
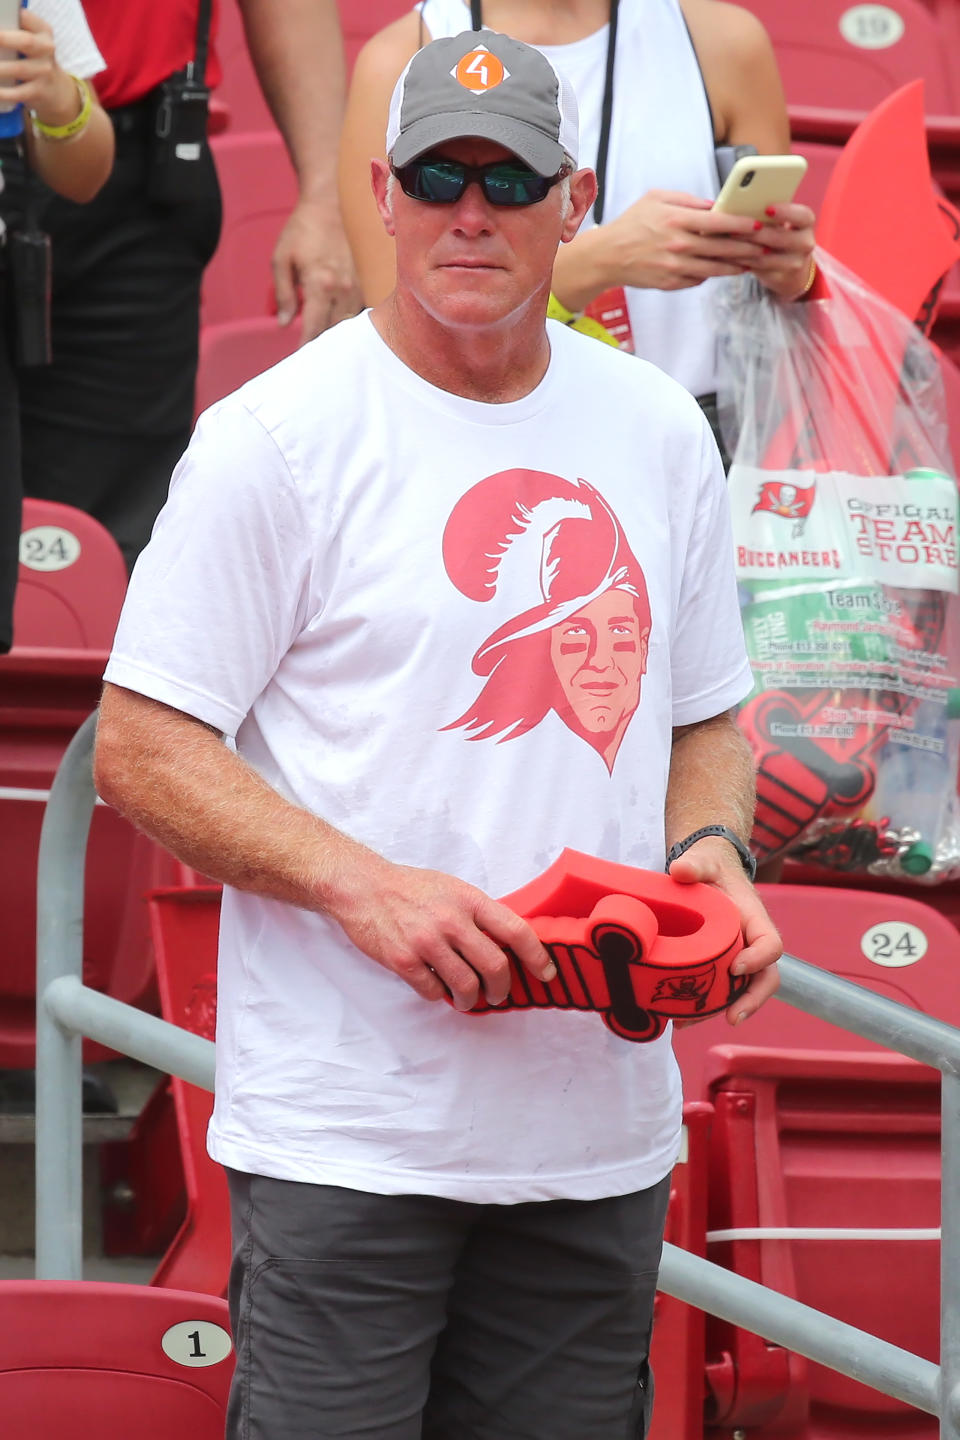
75 46
661 138
423 619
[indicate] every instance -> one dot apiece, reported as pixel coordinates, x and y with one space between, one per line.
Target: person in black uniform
54 114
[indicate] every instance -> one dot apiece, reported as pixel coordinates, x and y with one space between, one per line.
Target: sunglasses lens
441 182
509 184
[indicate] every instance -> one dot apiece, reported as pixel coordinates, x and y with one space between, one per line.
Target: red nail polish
770 210
758 224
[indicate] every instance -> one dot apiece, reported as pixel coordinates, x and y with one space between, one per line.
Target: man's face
600 655
471 264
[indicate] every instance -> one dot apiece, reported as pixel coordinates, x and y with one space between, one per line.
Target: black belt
135 118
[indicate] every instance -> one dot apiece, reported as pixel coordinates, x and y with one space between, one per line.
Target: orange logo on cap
479 70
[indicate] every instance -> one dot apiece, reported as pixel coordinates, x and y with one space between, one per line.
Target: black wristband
747 860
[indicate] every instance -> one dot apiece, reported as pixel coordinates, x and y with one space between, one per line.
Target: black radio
28 254
177 139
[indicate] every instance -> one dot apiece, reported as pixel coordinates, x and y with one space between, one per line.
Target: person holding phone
47 108
661 84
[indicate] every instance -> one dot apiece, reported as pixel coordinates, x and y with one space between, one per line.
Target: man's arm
297 50
375 73
711 783
174 778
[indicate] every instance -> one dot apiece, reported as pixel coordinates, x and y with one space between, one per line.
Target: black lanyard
606 108
197 68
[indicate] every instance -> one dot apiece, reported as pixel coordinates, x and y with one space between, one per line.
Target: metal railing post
800 1328
59 1080
950 1258
132 1032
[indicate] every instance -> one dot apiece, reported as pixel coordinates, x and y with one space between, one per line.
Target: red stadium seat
835 1140
71 584
71 587
179 1205
89 1361
943 141
830 926
185 926
947 332
814 1126
839 60
677 1353
821 159
849 57
232 353
259 191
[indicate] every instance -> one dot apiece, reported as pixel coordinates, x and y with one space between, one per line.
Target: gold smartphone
757 181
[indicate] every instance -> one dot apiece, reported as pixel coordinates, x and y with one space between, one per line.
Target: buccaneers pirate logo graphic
793 502
577 641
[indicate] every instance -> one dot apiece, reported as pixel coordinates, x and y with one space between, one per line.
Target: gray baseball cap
481 85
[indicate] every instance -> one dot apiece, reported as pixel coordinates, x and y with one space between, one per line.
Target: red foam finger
632 945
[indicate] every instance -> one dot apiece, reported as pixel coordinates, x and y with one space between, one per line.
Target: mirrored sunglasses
503 182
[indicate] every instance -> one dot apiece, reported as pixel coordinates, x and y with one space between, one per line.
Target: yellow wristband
557 311
72 127
584 324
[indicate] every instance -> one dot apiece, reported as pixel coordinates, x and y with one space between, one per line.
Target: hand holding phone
759 181
36 81
756 188
10 14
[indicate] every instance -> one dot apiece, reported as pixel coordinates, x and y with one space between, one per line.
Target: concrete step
119 1270
131 1083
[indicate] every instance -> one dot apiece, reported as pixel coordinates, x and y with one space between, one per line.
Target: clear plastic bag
844 503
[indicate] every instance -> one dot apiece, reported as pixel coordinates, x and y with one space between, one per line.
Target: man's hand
436 933
713 861
312 263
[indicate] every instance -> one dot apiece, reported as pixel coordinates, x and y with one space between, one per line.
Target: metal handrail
68 1009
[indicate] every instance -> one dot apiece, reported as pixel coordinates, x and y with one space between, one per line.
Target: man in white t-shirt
459 588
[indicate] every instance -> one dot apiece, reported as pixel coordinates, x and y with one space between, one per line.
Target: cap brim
535 149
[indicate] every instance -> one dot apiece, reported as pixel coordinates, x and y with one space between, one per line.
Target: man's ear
583 192
379 181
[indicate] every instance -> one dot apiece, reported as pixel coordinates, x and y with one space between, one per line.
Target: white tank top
661 138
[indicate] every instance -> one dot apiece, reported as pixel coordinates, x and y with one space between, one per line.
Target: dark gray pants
413 1318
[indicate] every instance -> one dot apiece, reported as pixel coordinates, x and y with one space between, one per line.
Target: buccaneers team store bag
844 503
